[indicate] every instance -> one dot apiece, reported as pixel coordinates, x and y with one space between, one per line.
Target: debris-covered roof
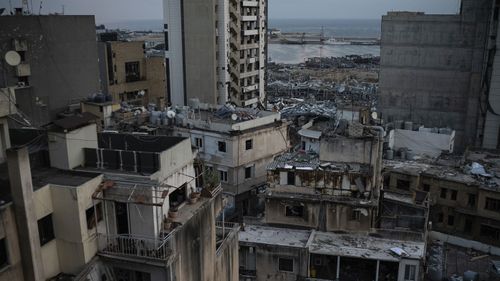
274 236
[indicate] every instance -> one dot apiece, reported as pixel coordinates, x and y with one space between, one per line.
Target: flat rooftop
364 246
356 245
133 142
285 237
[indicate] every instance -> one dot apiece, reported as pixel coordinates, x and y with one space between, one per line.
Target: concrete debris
320 109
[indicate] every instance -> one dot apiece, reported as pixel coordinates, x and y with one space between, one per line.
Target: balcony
135 247
250 88
249 18
249 74
250 32
225 231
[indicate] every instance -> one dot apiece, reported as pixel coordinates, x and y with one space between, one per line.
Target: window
294 211
4 256
285 264
490 232
403 185
132 72
303 145
45 230
248 144
355 215
91 218
468 226
198 142
426 187
249 172
492 204
451 220
223 176
410 272
290 178
454 195
443 193
222 146
471 202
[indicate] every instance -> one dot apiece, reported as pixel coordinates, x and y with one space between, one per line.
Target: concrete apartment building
321 214
128 75
99 214
432 68
216 51
59 64
463 203
236 144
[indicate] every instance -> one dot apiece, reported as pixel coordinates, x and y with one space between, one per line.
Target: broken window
451 220
91 216
488 231
303 145
410 272
492 204
291 178
426 187
471 202
132 73
454 195
223 176
403 185
222 146
249 172
294 211
443 193
355 215
4 256
46 230
285 264
248 144
468 226
198 142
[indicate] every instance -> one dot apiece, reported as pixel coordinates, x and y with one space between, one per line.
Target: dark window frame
443 193
4 254
249 144
89 215
46 229
249 172
296 211
403 184
285 264
221 146
132 71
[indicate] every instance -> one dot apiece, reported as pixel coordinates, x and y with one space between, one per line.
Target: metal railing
223 232
135 246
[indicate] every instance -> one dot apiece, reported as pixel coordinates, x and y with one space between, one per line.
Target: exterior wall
8 231
174 50
151 69
4 138
58 76
267 262
227 260
434 62
318 215
66 149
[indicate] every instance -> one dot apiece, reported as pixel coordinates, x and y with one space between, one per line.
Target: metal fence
134 246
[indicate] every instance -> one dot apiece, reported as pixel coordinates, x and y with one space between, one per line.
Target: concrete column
27 227
338 268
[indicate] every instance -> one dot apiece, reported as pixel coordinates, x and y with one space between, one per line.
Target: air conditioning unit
20 45
21 84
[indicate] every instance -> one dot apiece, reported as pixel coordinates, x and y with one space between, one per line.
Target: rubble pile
319 109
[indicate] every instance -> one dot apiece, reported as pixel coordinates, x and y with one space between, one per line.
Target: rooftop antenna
40 9
10 5
62 9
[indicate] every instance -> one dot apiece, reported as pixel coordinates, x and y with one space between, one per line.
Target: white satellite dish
170 114
374 115
141 93
234 117
12 58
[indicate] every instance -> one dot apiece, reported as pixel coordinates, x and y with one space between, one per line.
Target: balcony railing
224 231
135 247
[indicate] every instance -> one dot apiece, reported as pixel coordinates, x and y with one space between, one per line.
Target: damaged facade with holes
463 192
332 183
235 144
114 207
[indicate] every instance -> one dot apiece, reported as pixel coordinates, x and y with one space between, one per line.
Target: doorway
121 213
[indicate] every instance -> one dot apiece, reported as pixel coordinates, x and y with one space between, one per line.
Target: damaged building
331 183
235 144
113 207
463 193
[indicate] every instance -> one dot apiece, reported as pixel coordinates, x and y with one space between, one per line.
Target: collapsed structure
331 188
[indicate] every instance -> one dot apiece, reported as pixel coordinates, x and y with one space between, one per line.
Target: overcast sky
124 10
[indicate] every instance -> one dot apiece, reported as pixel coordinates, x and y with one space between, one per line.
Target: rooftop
327 243
365 246
309 161
132 142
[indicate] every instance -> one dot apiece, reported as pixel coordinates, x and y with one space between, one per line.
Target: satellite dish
141 93
374 115
12 58
170 114
234 117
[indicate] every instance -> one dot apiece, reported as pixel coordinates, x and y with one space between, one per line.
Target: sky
123 10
